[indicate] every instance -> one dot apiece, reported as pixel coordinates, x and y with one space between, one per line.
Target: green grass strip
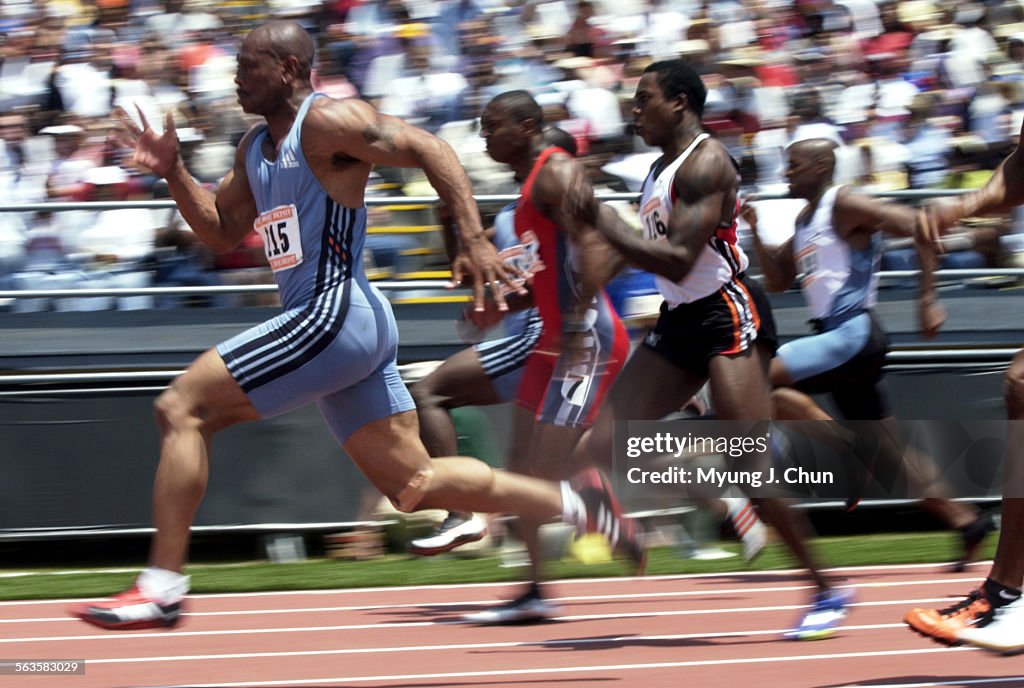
406 570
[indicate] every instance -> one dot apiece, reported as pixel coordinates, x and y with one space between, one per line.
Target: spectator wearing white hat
587 96
71 161
84 79
179 19
973 38
121 235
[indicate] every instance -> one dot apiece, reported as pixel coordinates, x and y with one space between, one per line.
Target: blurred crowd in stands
918 94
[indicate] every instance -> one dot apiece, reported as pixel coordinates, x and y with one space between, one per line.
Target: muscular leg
791 404
794 407
924 479
517 454
390 454
739 386
648 388
549 451
517 457
203 400
991 617
547 456
895 457
740 390
716 505
459 381
1008 567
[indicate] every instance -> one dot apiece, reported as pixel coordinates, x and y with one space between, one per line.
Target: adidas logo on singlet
288 160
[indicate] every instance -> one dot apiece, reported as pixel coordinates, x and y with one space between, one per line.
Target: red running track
698 631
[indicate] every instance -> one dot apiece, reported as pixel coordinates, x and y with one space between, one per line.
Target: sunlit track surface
699 631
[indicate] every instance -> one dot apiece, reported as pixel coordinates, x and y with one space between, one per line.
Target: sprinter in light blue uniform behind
835 249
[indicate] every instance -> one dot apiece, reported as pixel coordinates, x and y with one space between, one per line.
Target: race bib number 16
281 240
654 216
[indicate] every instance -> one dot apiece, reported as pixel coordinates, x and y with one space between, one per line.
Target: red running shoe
602 514
131 610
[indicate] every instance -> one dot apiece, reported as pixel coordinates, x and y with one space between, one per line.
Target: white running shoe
1003 632
454 531
530 608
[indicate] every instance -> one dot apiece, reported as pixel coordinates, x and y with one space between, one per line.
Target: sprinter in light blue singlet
300 180
835 249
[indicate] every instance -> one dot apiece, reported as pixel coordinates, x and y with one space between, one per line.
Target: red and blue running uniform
558 388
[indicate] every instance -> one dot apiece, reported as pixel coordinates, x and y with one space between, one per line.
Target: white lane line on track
580 669
940 684
938 568
618 640
67 572
570 598
448 622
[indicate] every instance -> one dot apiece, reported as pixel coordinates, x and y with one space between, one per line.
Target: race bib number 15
281 240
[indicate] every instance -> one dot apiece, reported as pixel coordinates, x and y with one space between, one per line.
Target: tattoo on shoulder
381 132
707 177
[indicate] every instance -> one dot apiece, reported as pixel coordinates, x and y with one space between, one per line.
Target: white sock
742 514
161 585
734 504
574 512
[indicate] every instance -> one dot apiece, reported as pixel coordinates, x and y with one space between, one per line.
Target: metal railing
393 285
398 285
168 204
899 357
482 199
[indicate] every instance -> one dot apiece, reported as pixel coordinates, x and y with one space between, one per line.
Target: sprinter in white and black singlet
715 323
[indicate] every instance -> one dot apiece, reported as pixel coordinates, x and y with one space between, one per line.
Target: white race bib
807 264
281 239
524 257
654 216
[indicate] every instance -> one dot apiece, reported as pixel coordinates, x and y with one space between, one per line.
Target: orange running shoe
942 625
